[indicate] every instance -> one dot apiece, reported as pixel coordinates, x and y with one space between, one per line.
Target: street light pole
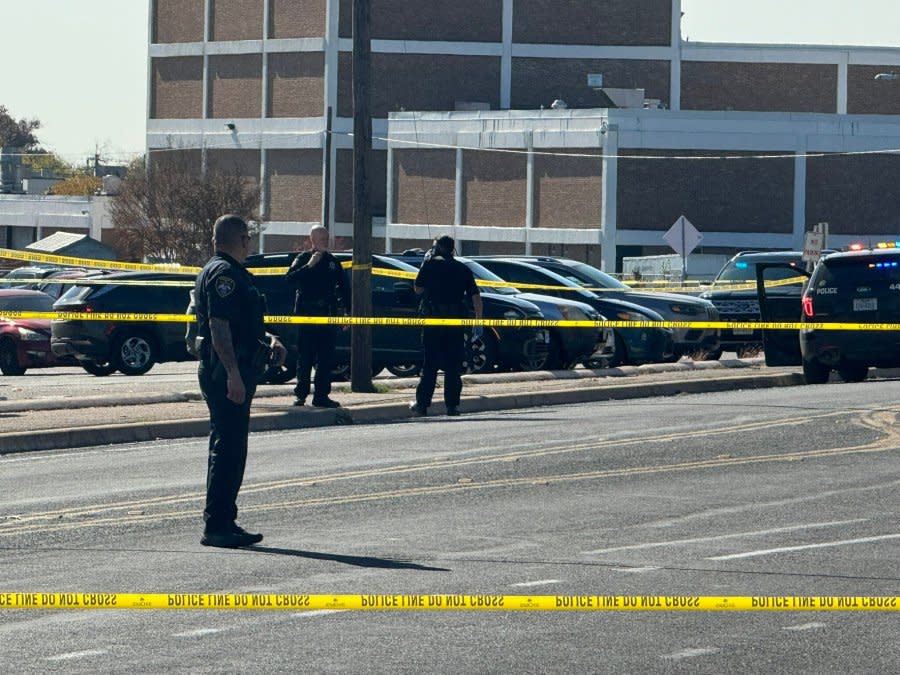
361 336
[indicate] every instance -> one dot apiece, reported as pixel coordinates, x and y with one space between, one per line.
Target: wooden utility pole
361 336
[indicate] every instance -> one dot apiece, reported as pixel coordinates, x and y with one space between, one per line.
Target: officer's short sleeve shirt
225 290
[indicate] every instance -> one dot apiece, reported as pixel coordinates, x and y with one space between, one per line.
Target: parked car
633 346
50 279
568 346
399 347
22 277
132 347
859 286
25 343
60 280
671 306
741 304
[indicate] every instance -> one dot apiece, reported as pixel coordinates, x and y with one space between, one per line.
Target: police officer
234 350
321 291
446 284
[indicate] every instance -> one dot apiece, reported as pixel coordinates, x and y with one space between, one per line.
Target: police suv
857 286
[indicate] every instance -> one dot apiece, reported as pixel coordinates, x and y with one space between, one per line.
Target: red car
25 343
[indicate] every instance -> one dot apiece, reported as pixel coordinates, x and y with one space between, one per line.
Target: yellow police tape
496 323
418 603
68 261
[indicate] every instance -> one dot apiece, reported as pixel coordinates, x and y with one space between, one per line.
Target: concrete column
799 229
332 36
529 190
609 144
843 67
506 58
204 104
389 203
675 77
458 202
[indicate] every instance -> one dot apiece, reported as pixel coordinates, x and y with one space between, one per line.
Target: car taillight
808 306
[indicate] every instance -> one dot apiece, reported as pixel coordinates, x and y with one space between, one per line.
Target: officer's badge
224 286
331 266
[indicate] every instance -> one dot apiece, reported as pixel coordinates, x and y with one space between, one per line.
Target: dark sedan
671 306
632 345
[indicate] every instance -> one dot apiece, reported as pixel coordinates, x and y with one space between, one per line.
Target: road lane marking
691 653
428 490
316 612
199 632
72 656
21 526
542 582
719 537
804 547
169 500
805 626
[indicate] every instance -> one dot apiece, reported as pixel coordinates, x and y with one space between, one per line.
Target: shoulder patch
225 286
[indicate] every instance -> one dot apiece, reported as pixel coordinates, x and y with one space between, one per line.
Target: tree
48 163
167 212
18 134
77 186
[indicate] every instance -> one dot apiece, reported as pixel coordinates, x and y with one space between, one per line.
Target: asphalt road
787 491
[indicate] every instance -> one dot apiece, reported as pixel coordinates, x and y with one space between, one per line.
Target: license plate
742 331
865 304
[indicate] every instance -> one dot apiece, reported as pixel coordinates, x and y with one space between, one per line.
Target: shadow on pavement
357 561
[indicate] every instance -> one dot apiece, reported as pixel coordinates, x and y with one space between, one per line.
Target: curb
272 391
292 418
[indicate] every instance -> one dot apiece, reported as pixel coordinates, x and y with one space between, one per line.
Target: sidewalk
66 423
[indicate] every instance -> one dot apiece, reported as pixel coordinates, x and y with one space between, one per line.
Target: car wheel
853 371
557 359
405 369
134 354
9 359
483 354
815 372
531 363
620 352
98 369
707 355
749 351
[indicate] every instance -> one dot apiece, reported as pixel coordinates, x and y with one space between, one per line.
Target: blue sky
80 66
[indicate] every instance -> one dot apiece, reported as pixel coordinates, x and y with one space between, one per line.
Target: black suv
860 286
399 348
742 304
852 287
133 347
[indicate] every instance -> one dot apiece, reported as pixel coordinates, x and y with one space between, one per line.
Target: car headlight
624 315
26 335
571 313
688 310
513 314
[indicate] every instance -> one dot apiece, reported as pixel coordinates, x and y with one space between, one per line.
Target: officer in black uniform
446 285
321 291
234 350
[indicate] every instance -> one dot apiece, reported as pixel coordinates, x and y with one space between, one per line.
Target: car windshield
595 277
484 274
26 303
741 270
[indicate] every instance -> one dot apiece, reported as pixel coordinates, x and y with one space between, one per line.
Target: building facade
247 85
